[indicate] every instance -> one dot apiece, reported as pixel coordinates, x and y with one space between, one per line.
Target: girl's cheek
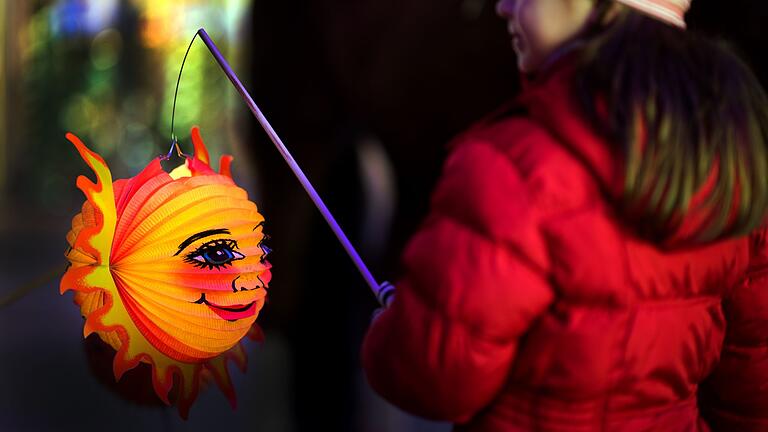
529 26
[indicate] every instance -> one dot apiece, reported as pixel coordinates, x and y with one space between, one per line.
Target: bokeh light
105 49
107 70
138 147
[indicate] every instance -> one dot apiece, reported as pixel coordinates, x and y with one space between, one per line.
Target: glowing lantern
169 269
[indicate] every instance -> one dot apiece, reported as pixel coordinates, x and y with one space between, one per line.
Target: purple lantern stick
384 292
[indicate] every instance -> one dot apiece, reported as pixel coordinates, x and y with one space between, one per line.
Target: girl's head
540 29
686 114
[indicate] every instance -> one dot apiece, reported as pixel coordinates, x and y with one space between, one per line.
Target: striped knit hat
669 11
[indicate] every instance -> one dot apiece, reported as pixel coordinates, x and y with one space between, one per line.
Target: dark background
365 93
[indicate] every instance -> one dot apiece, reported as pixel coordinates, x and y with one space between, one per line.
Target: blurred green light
137 147
105 49
79 114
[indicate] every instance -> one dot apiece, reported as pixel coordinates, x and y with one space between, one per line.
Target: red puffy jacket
526 304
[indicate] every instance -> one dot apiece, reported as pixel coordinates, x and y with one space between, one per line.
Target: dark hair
692 122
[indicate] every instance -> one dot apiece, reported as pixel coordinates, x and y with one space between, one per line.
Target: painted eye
214 254
266 250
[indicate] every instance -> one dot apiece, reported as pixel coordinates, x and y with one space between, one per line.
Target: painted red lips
230 312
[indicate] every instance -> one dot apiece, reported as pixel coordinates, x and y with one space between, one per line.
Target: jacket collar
550 101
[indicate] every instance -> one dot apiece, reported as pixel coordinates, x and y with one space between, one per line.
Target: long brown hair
692 122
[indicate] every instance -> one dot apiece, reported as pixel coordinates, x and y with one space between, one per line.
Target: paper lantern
169 269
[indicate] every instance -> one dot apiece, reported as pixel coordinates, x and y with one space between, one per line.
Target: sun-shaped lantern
169 269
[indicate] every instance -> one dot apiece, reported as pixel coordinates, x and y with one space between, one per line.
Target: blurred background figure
366 94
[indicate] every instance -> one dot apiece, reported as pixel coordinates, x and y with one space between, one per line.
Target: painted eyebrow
198 236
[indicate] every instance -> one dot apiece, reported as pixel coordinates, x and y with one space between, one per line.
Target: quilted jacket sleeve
476 276
735 396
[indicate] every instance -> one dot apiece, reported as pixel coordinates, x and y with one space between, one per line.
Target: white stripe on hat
670 11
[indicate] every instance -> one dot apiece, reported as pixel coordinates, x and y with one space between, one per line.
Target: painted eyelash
266 250
231 244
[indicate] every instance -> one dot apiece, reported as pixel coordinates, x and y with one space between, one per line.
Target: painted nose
505 8
245 286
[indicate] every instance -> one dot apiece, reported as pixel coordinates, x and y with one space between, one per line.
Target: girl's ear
612 11
603 13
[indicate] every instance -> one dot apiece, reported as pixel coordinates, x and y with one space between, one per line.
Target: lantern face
190 266
169 269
